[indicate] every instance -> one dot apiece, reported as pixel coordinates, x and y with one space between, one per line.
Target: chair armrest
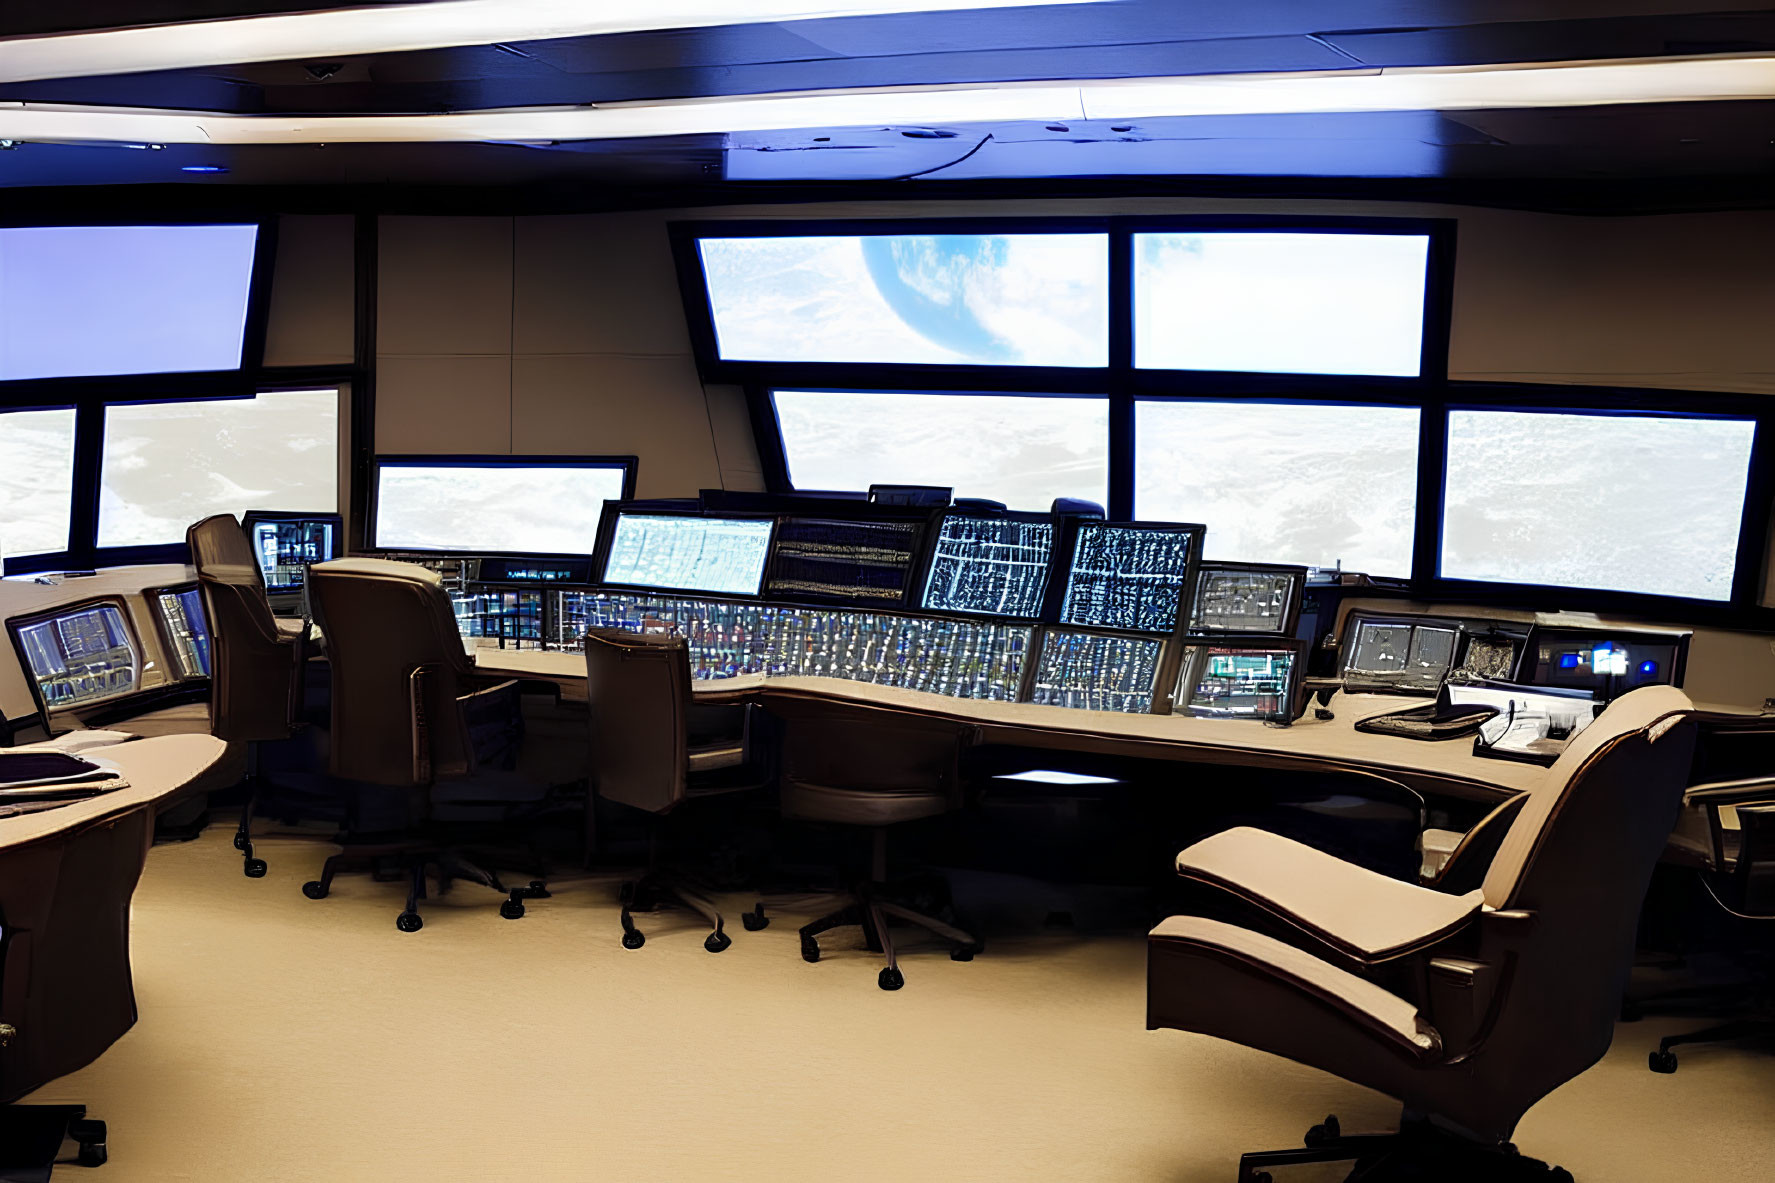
1472 855
1754 791
1365 916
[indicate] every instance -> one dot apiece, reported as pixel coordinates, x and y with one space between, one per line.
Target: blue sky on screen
87 300
539 510
1283 483
1021 450
1627 502
1006 299
1294 303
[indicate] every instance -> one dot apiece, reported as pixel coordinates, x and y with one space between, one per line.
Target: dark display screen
856 562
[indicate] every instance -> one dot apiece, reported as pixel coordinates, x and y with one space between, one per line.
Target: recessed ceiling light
397 28
1566 84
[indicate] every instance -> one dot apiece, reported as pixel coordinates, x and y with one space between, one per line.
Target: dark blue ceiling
1697 142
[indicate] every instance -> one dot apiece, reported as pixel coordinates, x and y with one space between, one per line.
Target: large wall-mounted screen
36 480
1318 484
724 556
165 465
1635 503
918 299
1128 576
492 505
992 566
1294 302
1022 450
90 300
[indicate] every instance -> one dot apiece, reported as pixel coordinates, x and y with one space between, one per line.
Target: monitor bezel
934 537
373 508
15 626
614 511
1347 651
1297 590
254 516
1066 550
163 633
1177 702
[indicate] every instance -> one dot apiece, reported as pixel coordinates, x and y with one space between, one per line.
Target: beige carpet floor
287 1039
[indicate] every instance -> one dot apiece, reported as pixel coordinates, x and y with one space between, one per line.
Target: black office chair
424 744
654 748
878 770
257 662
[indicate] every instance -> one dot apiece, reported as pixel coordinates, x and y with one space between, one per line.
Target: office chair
422 738
257 661
877 770
654 747
1740 882
1502 993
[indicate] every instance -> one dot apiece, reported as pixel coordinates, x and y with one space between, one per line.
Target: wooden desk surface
157 769
1446 766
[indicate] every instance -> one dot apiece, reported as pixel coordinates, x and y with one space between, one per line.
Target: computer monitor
849 562
1257 598
1240 678
1097 671
80 654
724 555
287 543
495 504
1129 575
991 566
184 629
1394 655
934 496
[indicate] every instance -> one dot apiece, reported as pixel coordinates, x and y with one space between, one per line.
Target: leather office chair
654 748
1497 996
877 770
411 713
257 661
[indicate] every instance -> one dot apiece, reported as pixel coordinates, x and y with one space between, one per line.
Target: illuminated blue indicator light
1568 661
1648 668
202 168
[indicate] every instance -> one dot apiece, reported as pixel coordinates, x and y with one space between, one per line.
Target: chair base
409 861
1417 1153
657 889
31 1138
871 908
1664 1060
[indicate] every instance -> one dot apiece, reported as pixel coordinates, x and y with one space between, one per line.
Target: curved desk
66 877
1446 767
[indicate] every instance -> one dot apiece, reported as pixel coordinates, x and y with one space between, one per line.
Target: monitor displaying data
81 656
854 562
285 547
1097 672
1400 655
81 301
1239 599
1237 682
992 566
528 508
689 553
1128 576
187 631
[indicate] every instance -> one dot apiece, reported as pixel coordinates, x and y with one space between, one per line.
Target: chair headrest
386 568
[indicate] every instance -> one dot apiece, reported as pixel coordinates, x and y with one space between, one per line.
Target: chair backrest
871 749
398 671
253 669
1578 857
638 694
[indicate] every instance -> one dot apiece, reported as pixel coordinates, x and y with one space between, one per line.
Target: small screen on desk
1399 654
1244 600
187 631
80 656
854 562
1236 683
1127 577
991 566
689 553
1097 672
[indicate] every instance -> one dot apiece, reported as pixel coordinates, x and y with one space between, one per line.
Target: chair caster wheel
963 952
538 890
409 922
314 889
1664 1062
90 1134
633 939
512 909
254 868
755 919
716 941
1262 1176
1324 1134
240 841
810 949
891 979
